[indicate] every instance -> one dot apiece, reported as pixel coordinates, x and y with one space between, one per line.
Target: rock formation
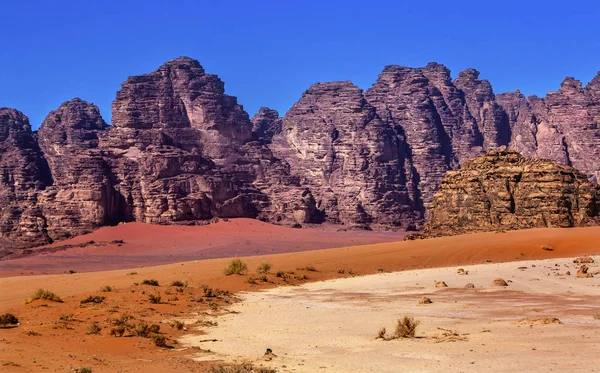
502 190
180 150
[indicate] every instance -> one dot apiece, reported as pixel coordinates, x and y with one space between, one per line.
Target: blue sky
269 52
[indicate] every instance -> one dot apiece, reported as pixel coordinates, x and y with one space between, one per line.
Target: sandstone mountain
503 190
182 151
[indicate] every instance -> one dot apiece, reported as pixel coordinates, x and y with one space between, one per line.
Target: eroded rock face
180 151
80 198
502 190
351 159
23 174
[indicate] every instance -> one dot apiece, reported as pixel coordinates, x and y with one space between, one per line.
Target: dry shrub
32 333
118 330
406 327
151 282
539 321
94 328
144 330
83 370
245 367
8 319
177 325
95 299
44 295
448 335
381 333
160 340
106 289
547 248
263 268
154 298
180 284
235 267
309 268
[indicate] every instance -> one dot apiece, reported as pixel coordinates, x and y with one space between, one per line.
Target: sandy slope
146 244
331 326
63 349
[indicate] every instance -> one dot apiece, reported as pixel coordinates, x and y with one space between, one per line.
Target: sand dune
134 244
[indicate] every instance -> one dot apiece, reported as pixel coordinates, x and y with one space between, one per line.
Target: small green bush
236 267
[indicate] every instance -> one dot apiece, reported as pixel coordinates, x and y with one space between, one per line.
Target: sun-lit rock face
502 190
182 151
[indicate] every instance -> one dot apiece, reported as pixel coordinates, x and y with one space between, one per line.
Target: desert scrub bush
144 330
32 333
177 325
118 331
8 319
309 268
106 289
132 273
44 295
381 333
83 370
159 340
95 328
66 317
406 327
263 268
236 267
179 284
151 282
210 292
547 248
154 298
245 367
95 299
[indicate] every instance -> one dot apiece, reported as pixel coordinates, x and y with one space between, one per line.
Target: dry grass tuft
547 248
236 267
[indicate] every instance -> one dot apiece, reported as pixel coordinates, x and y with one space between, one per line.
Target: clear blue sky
269 52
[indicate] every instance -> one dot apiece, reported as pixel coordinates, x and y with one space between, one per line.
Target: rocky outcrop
350 158
23 175
180 150
503 190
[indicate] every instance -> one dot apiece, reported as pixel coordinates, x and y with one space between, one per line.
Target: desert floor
344 314
331 326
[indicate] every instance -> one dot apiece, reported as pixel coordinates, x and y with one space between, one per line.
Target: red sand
146 245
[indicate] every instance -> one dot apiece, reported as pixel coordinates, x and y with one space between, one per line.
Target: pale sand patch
331 326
